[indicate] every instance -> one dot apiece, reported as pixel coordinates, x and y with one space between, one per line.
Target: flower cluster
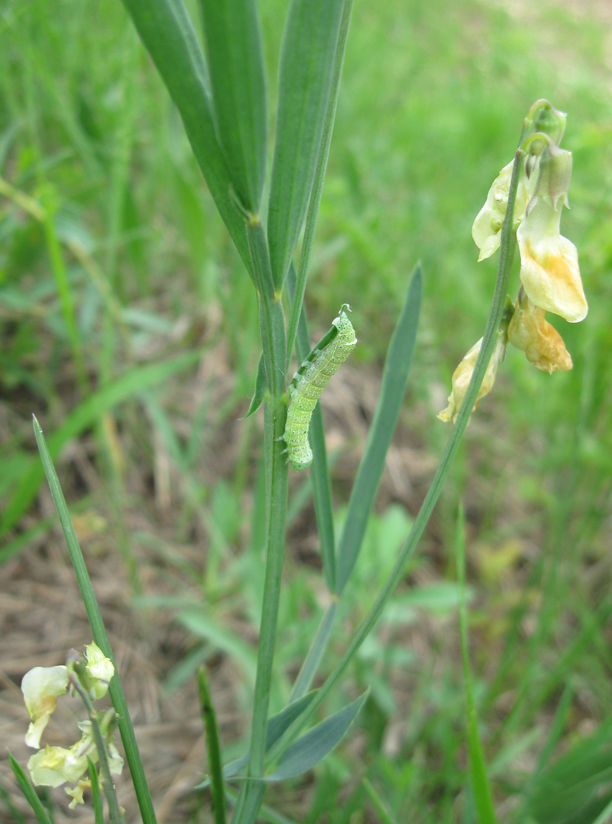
549 274
41 686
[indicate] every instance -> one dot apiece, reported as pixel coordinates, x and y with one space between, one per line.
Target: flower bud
554 177
550 121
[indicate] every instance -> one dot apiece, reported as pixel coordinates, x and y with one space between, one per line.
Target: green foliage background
430 109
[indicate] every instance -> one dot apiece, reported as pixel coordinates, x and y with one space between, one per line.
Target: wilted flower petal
463 374
40 687
533 335
549 263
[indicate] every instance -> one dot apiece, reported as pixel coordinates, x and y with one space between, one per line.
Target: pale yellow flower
98 671
40 687
76 793
549 263
533 335
463 374
54 766
486 230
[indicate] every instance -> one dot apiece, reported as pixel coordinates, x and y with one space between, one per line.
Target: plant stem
107 780
275 411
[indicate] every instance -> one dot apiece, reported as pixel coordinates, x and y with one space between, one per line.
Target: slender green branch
275 411
108 784
215 763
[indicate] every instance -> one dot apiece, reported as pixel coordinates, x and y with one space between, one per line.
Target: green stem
214 748
107 780
275 411
508 242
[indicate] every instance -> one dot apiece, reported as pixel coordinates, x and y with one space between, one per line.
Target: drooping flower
41 686
463 374
549 263
486 230
533 335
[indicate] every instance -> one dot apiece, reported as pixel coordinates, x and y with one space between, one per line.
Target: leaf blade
395 378
313 746
167 33
234 51
305 84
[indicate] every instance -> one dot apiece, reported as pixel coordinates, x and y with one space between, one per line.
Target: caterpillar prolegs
310 380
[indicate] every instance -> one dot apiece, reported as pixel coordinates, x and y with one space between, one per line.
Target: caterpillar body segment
310 380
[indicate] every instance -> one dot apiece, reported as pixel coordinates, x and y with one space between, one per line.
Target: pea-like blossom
41 686
549 263
486 230
463 374
530 332
98 671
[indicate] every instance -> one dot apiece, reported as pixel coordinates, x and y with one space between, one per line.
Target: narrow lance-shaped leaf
309 749
29 792
277 724
260 388
166 31
232 34
395 378
305 82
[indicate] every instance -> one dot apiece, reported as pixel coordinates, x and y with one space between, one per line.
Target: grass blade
481 790
305 83
95 793
94 617
29 792
166 31
234 51
213 746
31 473
377 802
395 378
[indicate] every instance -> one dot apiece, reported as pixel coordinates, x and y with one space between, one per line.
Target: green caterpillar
310 380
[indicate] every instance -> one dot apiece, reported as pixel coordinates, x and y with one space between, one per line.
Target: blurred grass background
113 262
